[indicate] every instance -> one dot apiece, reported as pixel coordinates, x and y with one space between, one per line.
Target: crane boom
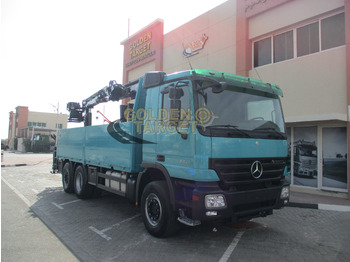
112 92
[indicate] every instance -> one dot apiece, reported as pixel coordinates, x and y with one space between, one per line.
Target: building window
333 31
283 47
59 126
39 124
324 34
262 52
308 39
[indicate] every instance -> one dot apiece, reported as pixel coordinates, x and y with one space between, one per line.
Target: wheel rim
153 209
78 182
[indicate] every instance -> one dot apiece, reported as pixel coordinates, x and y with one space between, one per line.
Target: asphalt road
108 228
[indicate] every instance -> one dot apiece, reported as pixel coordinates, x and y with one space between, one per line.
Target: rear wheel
67 178
157 212
81 186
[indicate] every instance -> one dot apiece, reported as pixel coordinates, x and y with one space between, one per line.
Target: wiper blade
222 126
230 127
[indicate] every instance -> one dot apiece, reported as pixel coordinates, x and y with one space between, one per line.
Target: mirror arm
183 135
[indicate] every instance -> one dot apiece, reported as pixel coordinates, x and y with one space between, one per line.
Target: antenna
188 58
128 26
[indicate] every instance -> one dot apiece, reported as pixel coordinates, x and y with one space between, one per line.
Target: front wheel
81 186
157 212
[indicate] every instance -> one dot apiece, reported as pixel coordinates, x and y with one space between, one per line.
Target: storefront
299 45
319 156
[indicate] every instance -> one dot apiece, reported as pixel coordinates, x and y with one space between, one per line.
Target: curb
340 208
13 165
302 205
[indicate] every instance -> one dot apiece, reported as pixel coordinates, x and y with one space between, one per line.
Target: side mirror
175 93
175 109
219 88
175 104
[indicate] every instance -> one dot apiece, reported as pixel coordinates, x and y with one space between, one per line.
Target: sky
59 51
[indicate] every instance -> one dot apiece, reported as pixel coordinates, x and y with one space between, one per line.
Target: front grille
238 171
309 163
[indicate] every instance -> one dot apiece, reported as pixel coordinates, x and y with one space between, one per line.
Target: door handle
161 158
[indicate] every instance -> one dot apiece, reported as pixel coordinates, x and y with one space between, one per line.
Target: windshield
239 112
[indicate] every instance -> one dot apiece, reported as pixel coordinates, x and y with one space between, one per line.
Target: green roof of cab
239 81
231 79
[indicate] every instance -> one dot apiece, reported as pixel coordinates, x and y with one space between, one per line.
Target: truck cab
193 146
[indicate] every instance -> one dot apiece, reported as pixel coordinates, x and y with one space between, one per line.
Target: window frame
274 46
163 96
318 38
321 33
271 50
294 29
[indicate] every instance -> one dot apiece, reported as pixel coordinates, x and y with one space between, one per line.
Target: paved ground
320 200
24 236
21 159
108 228
299 197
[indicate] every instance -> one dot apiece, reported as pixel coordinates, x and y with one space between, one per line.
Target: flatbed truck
192 146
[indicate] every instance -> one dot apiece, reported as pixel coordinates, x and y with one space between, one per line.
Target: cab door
176 139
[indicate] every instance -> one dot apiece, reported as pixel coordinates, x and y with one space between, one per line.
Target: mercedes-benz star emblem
256 169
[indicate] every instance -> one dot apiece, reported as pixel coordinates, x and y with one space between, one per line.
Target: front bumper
240 205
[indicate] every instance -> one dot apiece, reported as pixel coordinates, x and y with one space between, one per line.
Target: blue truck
192 146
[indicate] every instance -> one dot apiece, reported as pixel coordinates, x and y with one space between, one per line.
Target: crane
112 92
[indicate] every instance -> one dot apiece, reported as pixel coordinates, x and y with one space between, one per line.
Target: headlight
215 201
285 192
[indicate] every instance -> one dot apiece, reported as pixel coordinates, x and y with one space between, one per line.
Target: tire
157 212
81 186
67 178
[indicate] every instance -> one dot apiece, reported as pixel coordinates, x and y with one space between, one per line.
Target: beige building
25 124
303 46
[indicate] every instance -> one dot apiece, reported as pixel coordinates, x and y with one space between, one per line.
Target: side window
185 105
